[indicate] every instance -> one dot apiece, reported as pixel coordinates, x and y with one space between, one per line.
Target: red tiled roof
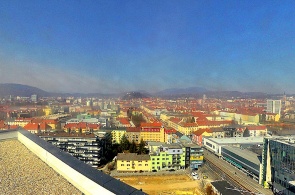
133 129
36 126
155 124
201 131
124 121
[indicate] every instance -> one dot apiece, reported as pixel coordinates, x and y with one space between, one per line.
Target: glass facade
282 165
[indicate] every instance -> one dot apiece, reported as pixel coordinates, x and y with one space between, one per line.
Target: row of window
128 165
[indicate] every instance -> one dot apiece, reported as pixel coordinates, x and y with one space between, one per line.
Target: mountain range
7 89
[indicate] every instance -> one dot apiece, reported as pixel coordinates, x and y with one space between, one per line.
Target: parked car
196 177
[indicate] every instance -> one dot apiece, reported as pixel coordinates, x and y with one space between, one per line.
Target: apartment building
88 148
132 162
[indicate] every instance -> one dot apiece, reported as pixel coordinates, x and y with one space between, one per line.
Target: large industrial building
215 144
278 164
242 152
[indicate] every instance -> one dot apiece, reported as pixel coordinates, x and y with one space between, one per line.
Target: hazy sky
115 46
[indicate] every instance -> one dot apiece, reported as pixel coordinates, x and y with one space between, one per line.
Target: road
234 176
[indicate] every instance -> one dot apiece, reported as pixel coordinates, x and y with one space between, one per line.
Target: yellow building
272 117
47 111
131 162
152 132
187 128
117 135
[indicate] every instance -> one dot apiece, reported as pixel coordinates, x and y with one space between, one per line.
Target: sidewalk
177 172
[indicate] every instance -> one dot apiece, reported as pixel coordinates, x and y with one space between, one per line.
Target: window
167 158
173 150
146 165
139 164
128 165
158 163
158 159
153 163
122 165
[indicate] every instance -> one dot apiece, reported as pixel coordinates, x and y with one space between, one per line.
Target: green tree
141 148
137 119
246 133
125 144
132 147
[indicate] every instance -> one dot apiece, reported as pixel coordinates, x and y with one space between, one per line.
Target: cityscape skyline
127 46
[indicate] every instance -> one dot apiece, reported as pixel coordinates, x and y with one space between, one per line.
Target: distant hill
134 95
181 91
7 89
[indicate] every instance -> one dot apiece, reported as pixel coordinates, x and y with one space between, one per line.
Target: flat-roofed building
214 144
19 176
86 147
243 159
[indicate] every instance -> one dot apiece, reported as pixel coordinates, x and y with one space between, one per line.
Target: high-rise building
34 98
278 165
274 106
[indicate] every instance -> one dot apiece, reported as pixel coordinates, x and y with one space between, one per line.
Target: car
193 174
196 177
172 170
154 170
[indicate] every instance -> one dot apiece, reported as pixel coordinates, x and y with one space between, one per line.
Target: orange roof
37 126
175 120
201 131
124 121
155 124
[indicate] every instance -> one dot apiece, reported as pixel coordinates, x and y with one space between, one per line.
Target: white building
274 106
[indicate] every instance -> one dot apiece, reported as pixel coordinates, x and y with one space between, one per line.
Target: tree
246 133
137 119
141 148
125 144
132 147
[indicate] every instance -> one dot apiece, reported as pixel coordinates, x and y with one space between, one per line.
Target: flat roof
288 140
22 172
236 140
244 153
104 180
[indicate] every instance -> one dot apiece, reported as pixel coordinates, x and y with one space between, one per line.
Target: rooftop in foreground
18 174
22 172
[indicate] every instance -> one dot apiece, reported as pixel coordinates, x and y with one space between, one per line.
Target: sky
117 46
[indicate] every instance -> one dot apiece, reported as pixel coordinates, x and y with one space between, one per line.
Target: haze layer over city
147 97
128 46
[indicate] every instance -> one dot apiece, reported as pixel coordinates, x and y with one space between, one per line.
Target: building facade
132 162
278 165
88 148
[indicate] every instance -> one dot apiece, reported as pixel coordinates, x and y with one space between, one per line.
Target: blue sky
115 46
